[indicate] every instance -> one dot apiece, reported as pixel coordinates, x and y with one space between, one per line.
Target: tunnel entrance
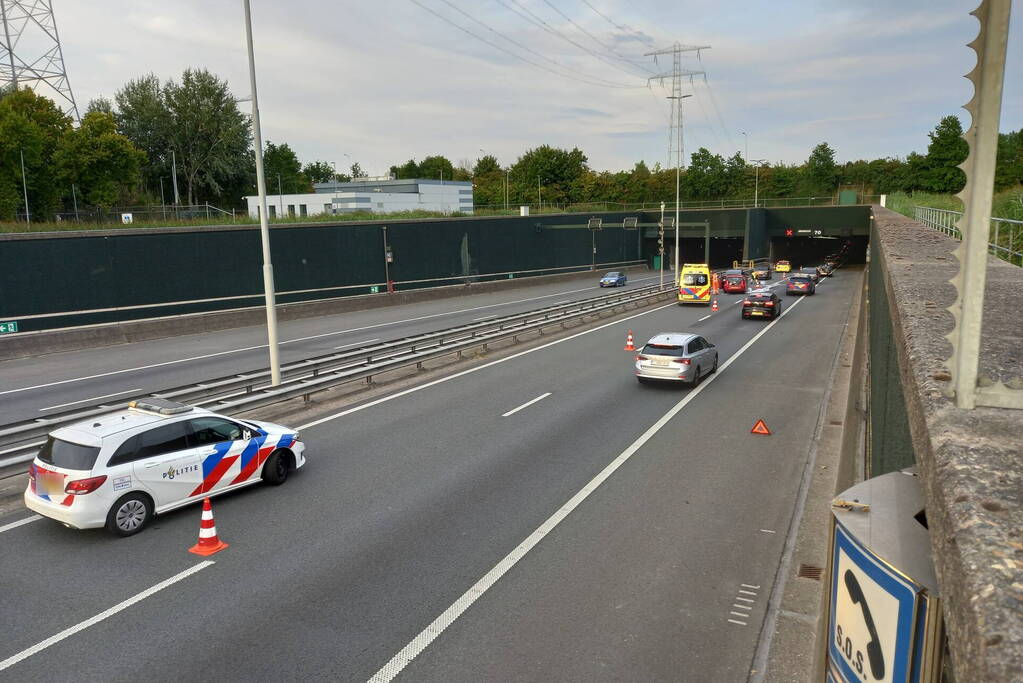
810 251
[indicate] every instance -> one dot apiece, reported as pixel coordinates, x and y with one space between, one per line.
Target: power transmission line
595 39
532 51
540 23
512 54
713 101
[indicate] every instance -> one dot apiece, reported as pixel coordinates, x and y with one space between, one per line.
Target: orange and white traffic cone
209 542
714 305
629 346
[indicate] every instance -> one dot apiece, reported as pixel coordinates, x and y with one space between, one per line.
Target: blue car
613 279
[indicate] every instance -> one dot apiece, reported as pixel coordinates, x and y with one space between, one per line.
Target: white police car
118 470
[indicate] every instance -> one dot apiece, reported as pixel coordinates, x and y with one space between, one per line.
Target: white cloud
384 81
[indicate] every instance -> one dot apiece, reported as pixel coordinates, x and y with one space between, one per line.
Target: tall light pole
506 188
539 200
264 226
756 181
660 248
678 172
746 138
24 187
280 196
333 165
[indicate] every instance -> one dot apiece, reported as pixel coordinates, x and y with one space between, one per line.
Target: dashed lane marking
420 642
94 398
106 614
526 404
364 341
20 522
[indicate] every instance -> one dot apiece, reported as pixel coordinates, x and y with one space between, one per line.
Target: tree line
132 149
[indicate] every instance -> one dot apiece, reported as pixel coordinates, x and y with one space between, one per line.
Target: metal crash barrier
884 613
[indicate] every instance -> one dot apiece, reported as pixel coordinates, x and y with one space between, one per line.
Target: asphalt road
33 387
608 531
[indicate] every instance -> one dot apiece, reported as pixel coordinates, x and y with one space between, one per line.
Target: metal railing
243 392
1005 239
744 203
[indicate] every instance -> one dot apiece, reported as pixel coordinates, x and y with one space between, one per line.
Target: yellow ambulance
694 284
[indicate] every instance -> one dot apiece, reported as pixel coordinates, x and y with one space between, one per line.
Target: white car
121 469
676 357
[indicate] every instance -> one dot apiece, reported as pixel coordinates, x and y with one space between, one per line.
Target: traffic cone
628 342
209 542
714 305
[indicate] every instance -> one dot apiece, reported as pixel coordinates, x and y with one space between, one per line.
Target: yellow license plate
756 312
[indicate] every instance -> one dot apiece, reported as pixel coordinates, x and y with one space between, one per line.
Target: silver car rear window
664 350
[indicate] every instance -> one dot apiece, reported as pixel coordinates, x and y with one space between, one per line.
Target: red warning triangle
760 428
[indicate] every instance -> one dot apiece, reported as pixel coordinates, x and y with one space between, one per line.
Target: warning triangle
760 428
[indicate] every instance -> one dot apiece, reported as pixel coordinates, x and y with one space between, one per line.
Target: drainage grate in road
809 571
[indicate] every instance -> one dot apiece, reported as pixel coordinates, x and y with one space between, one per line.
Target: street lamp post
506 189
280 197
660 248
264 226
756 182
746 138
539 199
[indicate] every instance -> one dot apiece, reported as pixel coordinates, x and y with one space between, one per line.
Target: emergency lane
35 386
403 507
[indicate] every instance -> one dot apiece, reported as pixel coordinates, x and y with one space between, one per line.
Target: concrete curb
28 344
795 653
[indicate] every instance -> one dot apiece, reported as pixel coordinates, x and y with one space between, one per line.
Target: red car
733 284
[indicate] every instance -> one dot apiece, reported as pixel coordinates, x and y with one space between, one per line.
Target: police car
119 470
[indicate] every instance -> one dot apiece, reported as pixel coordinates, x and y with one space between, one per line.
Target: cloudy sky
383 81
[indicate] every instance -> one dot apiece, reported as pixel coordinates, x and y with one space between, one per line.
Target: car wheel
697 377
715 368
129 515
641 380
275 470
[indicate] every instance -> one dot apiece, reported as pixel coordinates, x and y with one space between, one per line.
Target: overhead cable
610 84
540 23
595 39
512 54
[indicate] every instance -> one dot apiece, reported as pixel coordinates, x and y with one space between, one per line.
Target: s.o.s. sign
873 612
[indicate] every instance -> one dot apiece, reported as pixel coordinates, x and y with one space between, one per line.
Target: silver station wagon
676 357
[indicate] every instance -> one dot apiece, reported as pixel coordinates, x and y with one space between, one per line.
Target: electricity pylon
30 53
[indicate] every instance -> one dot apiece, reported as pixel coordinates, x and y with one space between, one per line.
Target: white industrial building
375 196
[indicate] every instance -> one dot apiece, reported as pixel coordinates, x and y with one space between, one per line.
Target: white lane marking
739 614
526 404
745 607
289 341
486 317
364 341
20 522
740 623
746 585
428 385
105 614
402 659
748 592
768 531
94 398
703 318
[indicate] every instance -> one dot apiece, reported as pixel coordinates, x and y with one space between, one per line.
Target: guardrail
1005 237
246 391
